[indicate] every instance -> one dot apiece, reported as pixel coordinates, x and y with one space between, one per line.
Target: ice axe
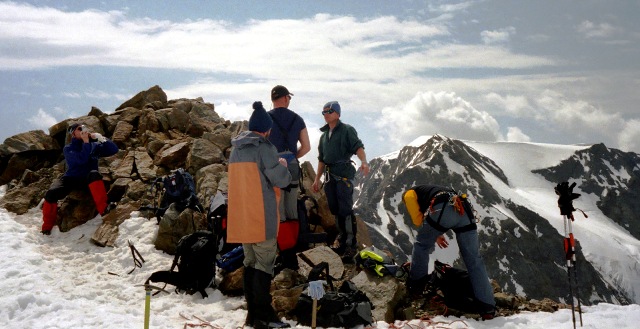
316 291
147 300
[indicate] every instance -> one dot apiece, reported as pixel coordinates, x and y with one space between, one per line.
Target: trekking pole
565 202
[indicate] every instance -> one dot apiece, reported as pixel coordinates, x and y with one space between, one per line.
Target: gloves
98 137
257 105
566 197
316 289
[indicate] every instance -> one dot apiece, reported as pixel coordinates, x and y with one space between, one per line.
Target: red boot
99 194
49 216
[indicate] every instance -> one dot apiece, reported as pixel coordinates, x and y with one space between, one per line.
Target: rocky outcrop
155 136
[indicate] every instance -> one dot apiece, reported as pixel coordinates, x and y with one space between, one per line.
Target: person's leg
247 287
264 315
330 191
58 190
422 248
482 289
98 191
344 194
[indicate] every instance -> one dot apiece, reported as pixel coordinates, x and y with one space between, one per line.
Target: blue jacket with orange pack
255 179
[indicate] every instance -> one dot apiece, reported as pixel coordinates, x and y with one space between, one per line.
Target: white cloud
384 47
516 135
629 137
430 113
42 120
514 105
497 36
593 30
71 95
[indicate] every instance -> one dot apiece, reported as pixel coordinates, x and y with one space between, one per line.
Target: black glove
257 105
566 197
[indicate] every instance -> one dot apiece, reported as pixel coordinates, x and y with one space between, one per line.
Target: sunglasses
329 111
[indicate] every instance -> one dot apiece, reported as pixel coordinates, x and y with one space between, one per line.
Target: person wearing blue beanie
260 120
255 176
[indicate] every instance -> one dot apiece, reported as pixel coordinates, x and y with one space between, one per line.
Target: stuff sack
196 263
232 260
345 308
455 286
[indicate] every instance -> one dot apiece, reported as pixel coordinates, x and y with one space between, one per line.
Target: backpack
179 188
217 222
346 307
455 286
378 262
196 262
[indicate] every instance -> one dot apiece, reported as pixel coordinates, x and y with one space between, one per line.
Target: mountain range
521 231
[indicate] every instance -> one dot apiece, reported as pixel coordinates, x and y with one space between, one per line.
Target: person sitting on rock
81 156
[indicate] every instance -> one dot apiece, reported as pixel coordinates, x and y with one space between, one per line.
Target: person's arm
364 166
305 144
316 182
274 169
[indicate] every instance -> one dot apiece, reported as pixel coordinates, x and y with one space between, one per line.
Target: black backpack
196 261
346 307
455 286
178 187
217 222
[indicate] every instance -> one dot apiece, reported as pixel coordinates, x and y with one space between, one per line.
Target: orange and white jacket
255 179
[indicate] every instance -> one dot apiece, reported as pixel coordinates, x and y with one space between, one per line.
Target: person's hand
442 242
315 185
283 161
365 168
85 136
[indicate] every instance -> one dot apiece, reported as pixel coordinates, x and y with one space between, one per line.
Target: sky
563 72
65 281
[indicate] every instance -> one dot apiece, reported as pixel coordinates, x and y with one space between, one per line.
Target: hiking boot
110 206
488 316
46 232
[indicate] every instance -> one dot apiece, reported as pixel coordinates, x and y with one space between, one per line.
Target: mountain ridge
520 225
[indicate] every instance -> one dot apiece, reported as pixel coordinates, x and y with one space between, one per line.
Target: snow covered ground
64 281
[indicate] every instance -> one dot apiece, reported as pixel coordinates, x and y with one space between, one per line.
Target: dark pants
61 187
339 194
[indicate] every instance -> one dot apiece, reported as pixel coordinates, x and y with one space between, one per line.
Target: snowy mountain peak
521 231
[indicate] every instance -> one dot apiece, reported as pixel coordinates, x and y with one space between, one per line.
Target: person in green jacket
338 143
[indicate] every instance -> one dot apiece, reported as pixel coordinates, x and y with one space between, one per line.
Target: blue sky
525 71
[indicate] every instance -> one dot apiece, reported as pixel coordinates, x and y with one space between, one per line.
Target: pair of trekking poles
565 203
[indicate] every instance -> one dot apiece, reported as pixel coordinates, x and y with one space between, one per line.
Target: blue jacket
83 157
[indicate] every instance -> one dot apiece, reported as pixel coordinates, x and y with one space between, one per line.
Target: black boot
416 288
247 287
264 316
